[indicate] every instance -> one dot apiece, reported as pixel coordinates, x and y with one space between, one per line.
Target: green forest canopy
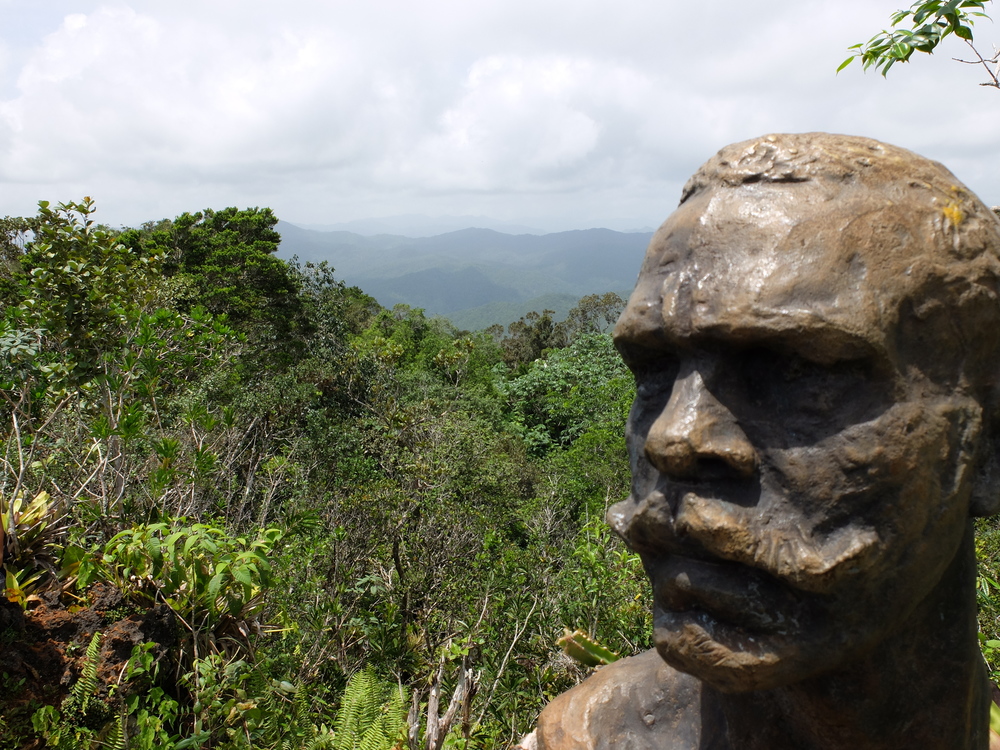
316 487
355 526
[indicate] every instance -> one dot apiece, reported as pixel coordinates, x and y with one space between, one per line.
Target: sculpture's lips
730 593
647 520
775 547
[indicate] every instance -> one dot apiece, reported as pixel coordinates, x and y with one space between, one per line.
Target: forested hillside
246 506
477 277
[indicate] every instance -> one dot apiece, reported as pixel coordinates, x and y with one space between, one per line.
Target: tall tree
225 261
594 313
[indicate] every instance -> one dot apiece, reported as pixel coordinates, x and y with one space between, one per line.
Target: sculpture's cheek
863 471
900 481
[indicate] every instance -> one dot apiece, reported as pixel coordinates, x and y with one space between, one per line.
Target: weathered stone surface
815 335
638 702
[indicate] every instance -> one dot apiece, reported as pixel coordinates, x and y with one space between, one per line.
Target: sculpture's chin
727 657
729 625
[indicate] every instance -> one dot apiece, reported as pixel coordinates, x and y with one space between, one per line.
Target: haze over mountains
476 277
418 225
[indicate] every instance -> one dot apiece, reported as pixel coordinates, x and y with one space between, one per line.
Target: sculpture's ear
985 500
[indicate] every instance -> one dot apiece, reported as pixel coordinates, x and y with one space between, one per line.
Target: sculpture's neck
924 686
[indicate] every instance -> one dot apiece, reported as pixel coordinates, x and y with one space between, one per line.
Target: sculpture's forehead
776 262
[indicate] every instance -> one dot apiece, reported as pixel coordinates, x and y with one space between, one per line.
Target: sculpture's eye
656 384
654 369
786 389
654 377
771 379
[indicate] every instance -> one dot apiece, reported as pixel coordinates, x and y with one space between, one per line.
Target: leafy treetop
225 261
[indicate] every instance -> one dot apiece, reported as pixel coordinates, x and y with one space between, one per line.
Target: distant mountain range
476 277
419 225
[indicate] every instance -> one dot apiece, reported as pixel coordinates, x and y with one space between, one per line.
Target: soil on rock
42 652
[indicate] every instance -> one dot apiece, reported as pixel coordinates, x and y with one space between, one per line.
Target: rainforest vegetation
293 518
282 516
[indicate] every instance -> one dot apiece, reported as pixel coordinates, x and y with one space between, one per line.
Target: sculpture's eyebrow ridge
812 337
644 333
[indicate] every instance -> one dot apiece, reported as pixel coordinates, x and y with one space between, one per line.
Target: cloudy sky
557 114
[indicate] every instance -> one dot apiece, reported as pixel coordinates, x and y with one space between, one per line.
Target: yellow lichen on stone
954 214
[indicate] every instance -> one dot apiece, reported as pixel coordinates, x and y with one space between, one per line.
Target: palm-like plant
31 535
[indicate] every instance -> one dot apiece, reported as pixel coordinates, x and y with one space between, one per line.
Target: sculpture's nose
696 437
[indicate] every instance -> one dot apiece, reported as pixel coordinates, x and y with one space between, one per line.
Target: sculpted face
799 481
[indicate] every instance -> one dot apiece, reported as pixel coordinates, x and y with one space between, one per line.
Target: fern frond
323 739
301 705
114 738
371 702
273 709
374 738
355 709
86 687
372 713
394 713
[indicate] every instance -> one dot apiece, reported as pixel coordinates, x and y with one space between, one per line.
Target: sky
554 114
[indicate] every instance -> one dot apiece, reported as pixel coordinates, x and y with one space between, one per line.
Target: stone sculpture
815 336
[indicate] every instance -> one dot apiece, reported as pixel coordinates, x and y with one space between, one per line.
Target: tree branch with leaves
930 22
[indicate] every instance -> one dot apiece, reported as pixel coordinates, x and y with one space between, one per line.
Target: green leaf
586 650
214 587
846 62
194 740
171 540
242 575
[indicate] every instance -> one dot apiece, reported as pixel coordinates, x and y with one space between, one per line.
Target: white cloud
123 93
329 111
522 123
